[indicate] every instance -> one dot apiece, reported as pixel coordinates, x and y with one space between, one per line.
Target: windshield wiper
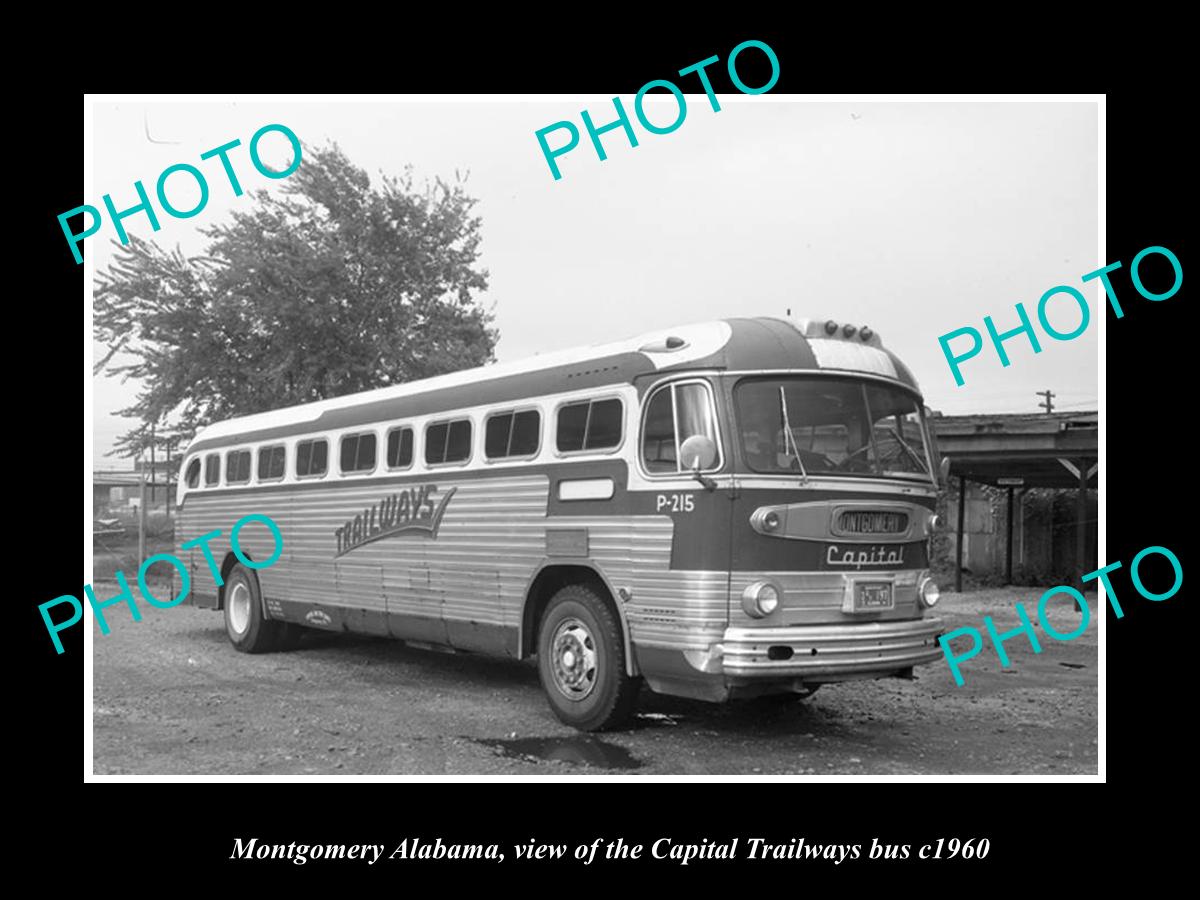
789 438
911 452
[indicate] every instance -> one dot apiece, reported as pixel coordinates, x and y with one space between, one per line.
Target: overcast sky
912 218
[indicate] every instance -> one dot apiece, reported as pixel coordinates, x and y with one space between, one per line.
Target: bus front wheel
581 661
249 630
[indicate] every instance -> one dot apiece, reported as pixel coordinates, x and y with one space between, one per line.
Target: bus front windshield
831 426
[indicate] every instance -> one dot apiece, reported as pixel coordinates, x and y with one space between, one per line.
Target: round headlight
933 523
771 521
768 599
760 599
928 592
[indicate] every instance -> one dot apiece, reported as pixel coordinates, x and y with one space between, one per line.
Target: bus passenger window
513 434
590 425
526 435
448 442
400 448
212 469
271 463
458 443
193 473
358 452
237 467
572 426
312 458
604 425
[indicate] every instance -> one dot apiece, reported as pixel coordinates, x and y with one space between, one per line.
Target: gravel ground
171 696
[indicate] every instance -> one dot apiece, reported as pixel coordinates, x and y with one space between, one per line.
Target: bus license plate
873 597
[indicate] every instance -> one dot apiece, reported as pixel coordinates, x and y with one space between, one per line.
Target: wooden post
1008 546
1053 534
1080 516
153 467
958 550
170 497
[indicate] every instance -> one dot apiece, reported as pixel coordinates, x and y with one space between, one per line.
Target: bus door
682 450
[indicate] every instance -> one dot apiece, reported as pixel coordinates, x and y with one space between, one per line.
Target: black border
156 832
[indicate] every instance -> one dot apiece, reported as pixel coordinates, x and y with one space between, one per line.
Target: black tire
581 661
249 630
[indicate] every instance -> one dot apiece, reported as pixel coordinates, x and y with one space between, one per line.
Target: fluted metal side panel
491 540
678 609
201 515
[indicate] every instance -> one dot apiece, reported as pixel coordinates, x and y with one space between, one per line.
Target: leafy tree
323 287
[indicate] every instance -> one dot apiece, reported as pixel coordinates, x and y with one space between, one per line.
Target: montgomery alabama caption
799 849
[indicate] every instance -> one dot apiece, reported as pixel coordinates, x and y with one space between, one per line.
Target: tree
323 287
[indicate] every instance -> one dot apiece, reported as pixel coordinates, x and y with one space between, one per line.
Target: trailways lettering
408 511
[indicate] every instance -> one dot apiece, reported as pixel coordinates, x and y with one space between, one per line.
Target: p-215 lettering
675 503
948 849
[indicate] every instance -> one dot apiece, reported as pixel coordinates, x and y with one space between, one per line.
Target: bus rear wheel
581 661
249 630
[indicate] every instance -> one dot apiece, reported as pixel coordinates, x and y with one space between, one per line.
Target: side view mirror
697 453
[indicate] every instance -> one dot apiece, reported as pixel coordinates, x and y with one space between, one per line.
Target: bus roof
729 344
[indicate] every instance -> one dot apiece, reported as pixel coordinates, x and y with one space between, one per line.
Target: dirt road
172 697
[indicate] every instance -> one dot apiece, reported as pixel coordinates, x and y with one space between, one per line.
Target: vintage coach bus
725 509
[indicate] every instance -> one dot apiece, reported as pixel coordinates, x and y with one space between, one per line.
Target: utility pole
152 465
169 494
1048 403
142 520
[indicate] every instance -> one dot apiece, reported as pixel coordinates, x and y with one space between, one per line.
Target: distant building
118 491
1039 470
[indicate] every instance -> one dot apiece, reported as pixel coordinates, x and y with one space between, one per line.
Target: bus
720 510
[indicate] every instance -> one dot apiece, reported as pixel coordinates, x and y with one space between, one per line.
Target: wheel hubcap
573 659
239 607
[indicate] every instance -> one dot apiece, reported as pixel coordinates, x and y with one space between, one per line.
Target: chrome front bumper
832 652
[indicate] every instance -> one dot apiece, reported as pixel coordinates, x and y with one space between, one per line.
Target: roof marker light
865 333
666 345
848 330
830 327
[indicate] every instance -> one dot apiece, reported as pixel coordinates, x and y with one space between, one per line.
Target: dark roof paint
760 343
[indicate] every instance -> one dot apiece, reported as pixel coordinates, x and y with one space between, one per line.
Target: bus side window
658 434
237 467
212 469
589 425
675 413
312 458
272 462
193 474
400 448
572 426
512 434
358 452
448 442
